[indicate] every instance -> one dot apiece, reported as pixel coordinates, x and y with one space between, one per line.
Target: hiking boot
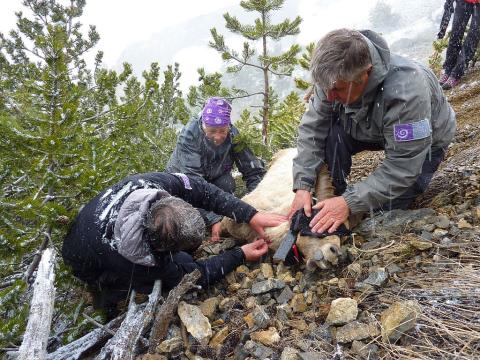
443 78
451 83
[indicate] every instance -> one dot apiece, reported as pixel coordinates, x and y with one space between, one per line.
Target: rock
298 324
333 281
251 302
398 319
285 296
246 283
476 213
221 246
365 351
266 337
342 311
311 355
173 345
391 223
377 277
354 269
420 244
286 277
151 357
257 350
231 278
234 287
260 317
266 286
226 304
393 269
196 323
266 270
219 337
242 269
439 233
209 306
464 224
284 312
298 303
249 320
289 354
427 235
442 222
356 331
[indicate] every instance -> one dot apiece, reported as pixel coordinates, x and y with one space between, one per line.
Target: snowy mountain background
410 29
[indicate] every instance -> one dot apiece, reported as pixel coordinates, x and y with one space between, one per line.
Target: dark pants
340 147
459 53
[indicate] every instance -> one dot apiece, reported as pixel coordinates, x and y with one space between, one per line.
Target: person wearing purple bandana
205 148
366 98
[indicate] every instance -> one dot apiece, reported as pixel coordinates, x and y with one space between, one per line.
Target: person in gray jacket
206 148
366 98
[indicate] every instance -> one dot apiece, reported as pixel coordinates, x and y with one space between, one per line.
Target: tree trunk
34 344
266 89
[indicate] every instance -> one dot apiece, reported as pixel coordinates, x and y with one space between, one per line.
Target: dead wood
123 344
85 344
35 339
167 310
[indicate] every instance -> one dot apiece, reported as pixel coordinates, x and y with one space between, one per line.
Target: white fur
274 194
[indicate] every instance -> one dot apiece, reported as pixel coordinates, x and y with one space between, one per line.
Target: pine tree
264 31
66 135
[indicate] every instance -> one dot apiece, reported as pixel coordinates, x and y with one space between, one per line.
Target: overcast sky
122 23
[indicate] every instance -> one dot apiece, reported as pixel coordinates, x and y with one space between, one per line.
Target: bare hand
216 232
255 250
333 213
303 199
262 220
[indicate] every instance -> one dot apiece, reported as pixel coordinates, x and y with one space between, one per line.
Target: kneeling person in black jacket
143 228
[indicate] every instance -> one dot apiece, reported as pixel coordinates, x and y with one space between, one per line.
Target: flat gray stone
267 286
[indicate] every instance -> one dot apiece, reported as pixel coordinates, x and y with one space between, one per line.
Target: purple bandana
216 112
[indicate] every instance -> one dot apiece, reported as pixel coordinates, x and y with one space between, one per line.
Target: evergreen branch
280 74
245 96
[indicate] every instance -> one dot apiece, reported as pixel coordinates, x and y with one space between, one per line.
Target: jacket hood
380 54
130 225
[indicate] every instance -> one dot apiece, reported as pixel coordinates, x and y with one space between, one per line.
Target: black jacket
90 250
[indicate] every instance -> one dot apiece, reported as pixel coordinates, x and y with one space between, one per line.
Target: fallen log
84 345
167 310
34 344
123 344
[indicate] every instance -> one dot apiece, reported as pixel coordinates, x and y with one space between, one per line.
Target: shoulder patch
412 131
185 179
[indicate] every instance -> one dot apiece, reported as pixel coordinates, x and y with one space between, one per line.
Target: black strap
300 225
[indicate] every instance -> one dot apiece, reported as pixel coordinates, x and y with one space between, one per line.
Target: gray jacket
399 91
195 155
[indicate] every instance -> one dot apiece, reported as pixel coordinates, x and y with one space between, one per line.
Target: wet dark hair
174 225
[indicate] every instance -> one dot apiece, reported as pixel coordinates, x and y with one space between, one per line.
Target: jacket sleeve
188 153
212 269
312 133
407 105
210 217
249 165
201 194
